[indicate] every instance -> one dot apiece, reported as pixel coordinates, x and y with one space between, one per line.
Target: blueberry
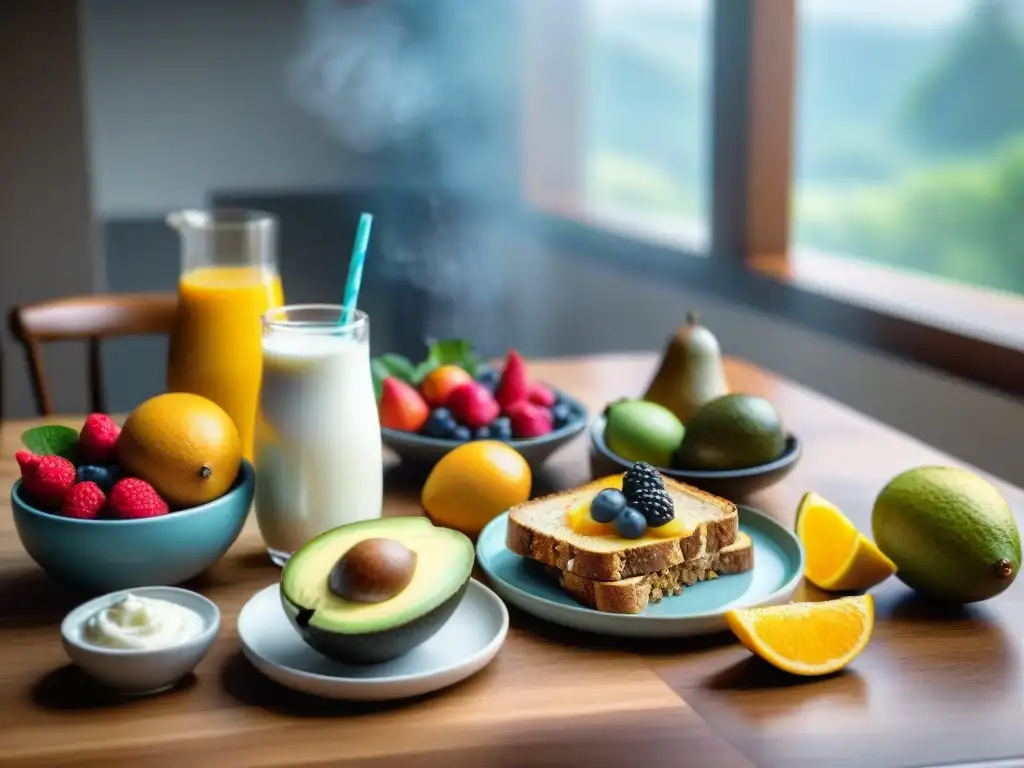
488 377
461 433
607 504
104 477
501 428
630 524
483 433
440 424
561 414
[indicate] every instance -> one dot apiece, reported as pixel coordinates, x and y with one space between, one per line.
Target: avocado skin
734 431
375 647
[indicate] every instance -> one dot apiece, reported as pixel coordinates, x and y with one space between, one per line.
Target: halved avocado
378 628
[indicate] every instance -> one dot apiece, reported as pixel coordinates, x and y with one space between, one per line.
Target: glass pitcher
229 278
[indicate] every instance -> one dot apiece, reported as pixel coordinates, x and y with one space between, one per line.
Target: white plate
466 644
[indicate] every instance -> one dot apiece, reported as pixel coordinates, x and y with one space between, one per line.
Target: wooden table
933 687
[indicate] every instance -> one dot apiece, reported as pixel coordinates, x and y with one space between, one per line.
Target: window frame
750 260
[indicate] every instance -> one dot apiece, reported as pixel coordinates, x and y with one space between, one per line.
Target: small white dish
138 672
467 643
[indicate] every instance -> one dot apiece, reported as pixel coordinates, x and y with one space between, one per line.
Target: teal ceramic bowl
107 555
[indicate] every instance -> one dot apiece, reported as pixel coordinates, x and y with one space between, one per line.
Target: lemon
806 638
839 557
185 446
475 483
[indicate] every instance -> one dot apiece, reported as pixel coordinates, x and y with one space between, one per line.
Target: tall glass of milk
319 462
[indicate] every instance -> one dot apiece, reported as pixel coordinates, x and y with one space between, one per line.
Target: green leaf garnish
450 352
393 365
52 440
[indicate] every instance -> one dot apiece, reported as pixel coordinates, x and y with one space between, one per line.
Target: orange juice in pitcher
229 278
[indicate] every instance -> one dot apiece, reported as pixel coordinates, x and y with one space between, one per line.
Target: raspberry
473 405
133 499
541 394
97 438
46 479
639 476
655 505
84 501
514 384
529 420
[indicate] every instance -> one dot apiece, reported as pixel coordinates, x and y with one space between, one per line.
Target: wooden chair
90 319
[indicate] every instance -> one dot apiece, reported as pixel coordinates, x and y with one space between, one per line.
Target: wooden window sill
977 313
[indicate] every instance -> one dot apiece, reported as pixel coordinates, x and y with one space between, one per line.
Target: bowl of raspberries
90 523
451 398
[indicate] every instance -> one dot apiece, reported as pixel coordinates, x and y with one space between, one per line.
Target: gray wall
48 244
186 98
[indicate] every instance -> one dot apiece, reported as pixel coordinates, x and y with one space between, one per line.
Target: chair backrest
86 318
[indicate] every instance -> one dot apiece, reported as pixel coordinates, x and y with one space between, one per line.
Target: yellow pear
691 372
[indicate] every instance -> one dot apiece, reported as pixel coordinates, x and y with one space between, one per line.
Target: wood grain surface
933 687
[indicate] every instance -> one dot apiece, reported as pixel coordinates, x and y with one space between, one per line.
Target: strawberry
84 501
529 419
97 438
514 383
46 479
401 406
541 394
133 499
473 405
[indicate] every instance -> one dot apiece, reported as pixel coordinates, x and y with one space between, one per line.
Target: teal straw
355 267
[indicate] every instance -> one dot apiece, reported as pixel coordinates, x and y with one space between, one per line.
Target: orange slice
807 638
839 557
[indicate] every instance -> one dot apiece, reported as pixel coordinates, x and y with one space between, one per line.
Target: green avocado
369 592
733 431
951 534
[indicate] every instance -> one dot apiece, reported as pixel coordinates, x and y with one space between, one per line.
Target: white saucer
463 646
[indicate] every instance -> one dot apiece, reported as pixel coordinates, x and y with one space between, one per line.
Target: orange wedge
839 557
807 638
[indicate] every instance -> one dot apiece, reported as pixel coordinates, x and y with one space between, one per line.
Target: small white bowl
137 672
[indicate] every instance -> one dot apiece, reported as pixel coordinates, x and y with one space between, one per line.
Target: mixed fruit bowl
452 398
154 502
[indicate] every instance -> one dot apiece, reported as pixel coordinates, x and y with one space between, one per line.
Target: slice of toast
537 529
633 595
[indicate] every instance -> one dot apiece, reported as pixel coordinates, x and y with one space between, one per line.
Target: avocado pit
372 571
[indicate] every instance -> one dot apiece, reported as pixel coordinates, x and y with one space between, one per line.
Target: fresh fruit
515 383
630 523
640 431
541 394
45 479
184 445
440 424
410 575
84 501
134 499
950 533
806 638
501 428
474 483
732 432
561 415
654 504
438 385
691 373
607 505
640 476
401 406
839 557
529 420
104 477
581 520
97 439
488 377
461 433
473 405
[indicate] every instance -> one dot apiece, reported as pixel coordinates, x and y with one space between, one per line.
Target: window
646 127
910 136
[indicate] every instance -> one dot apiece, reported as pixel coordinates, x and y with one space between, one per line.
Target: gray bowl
733 484
422 451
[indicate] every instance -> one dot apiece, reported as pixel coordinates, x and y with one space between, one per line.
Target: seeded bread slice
633 595
538 529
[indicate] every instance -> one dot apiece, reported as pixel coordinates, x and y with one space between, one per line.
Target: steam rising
422 79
